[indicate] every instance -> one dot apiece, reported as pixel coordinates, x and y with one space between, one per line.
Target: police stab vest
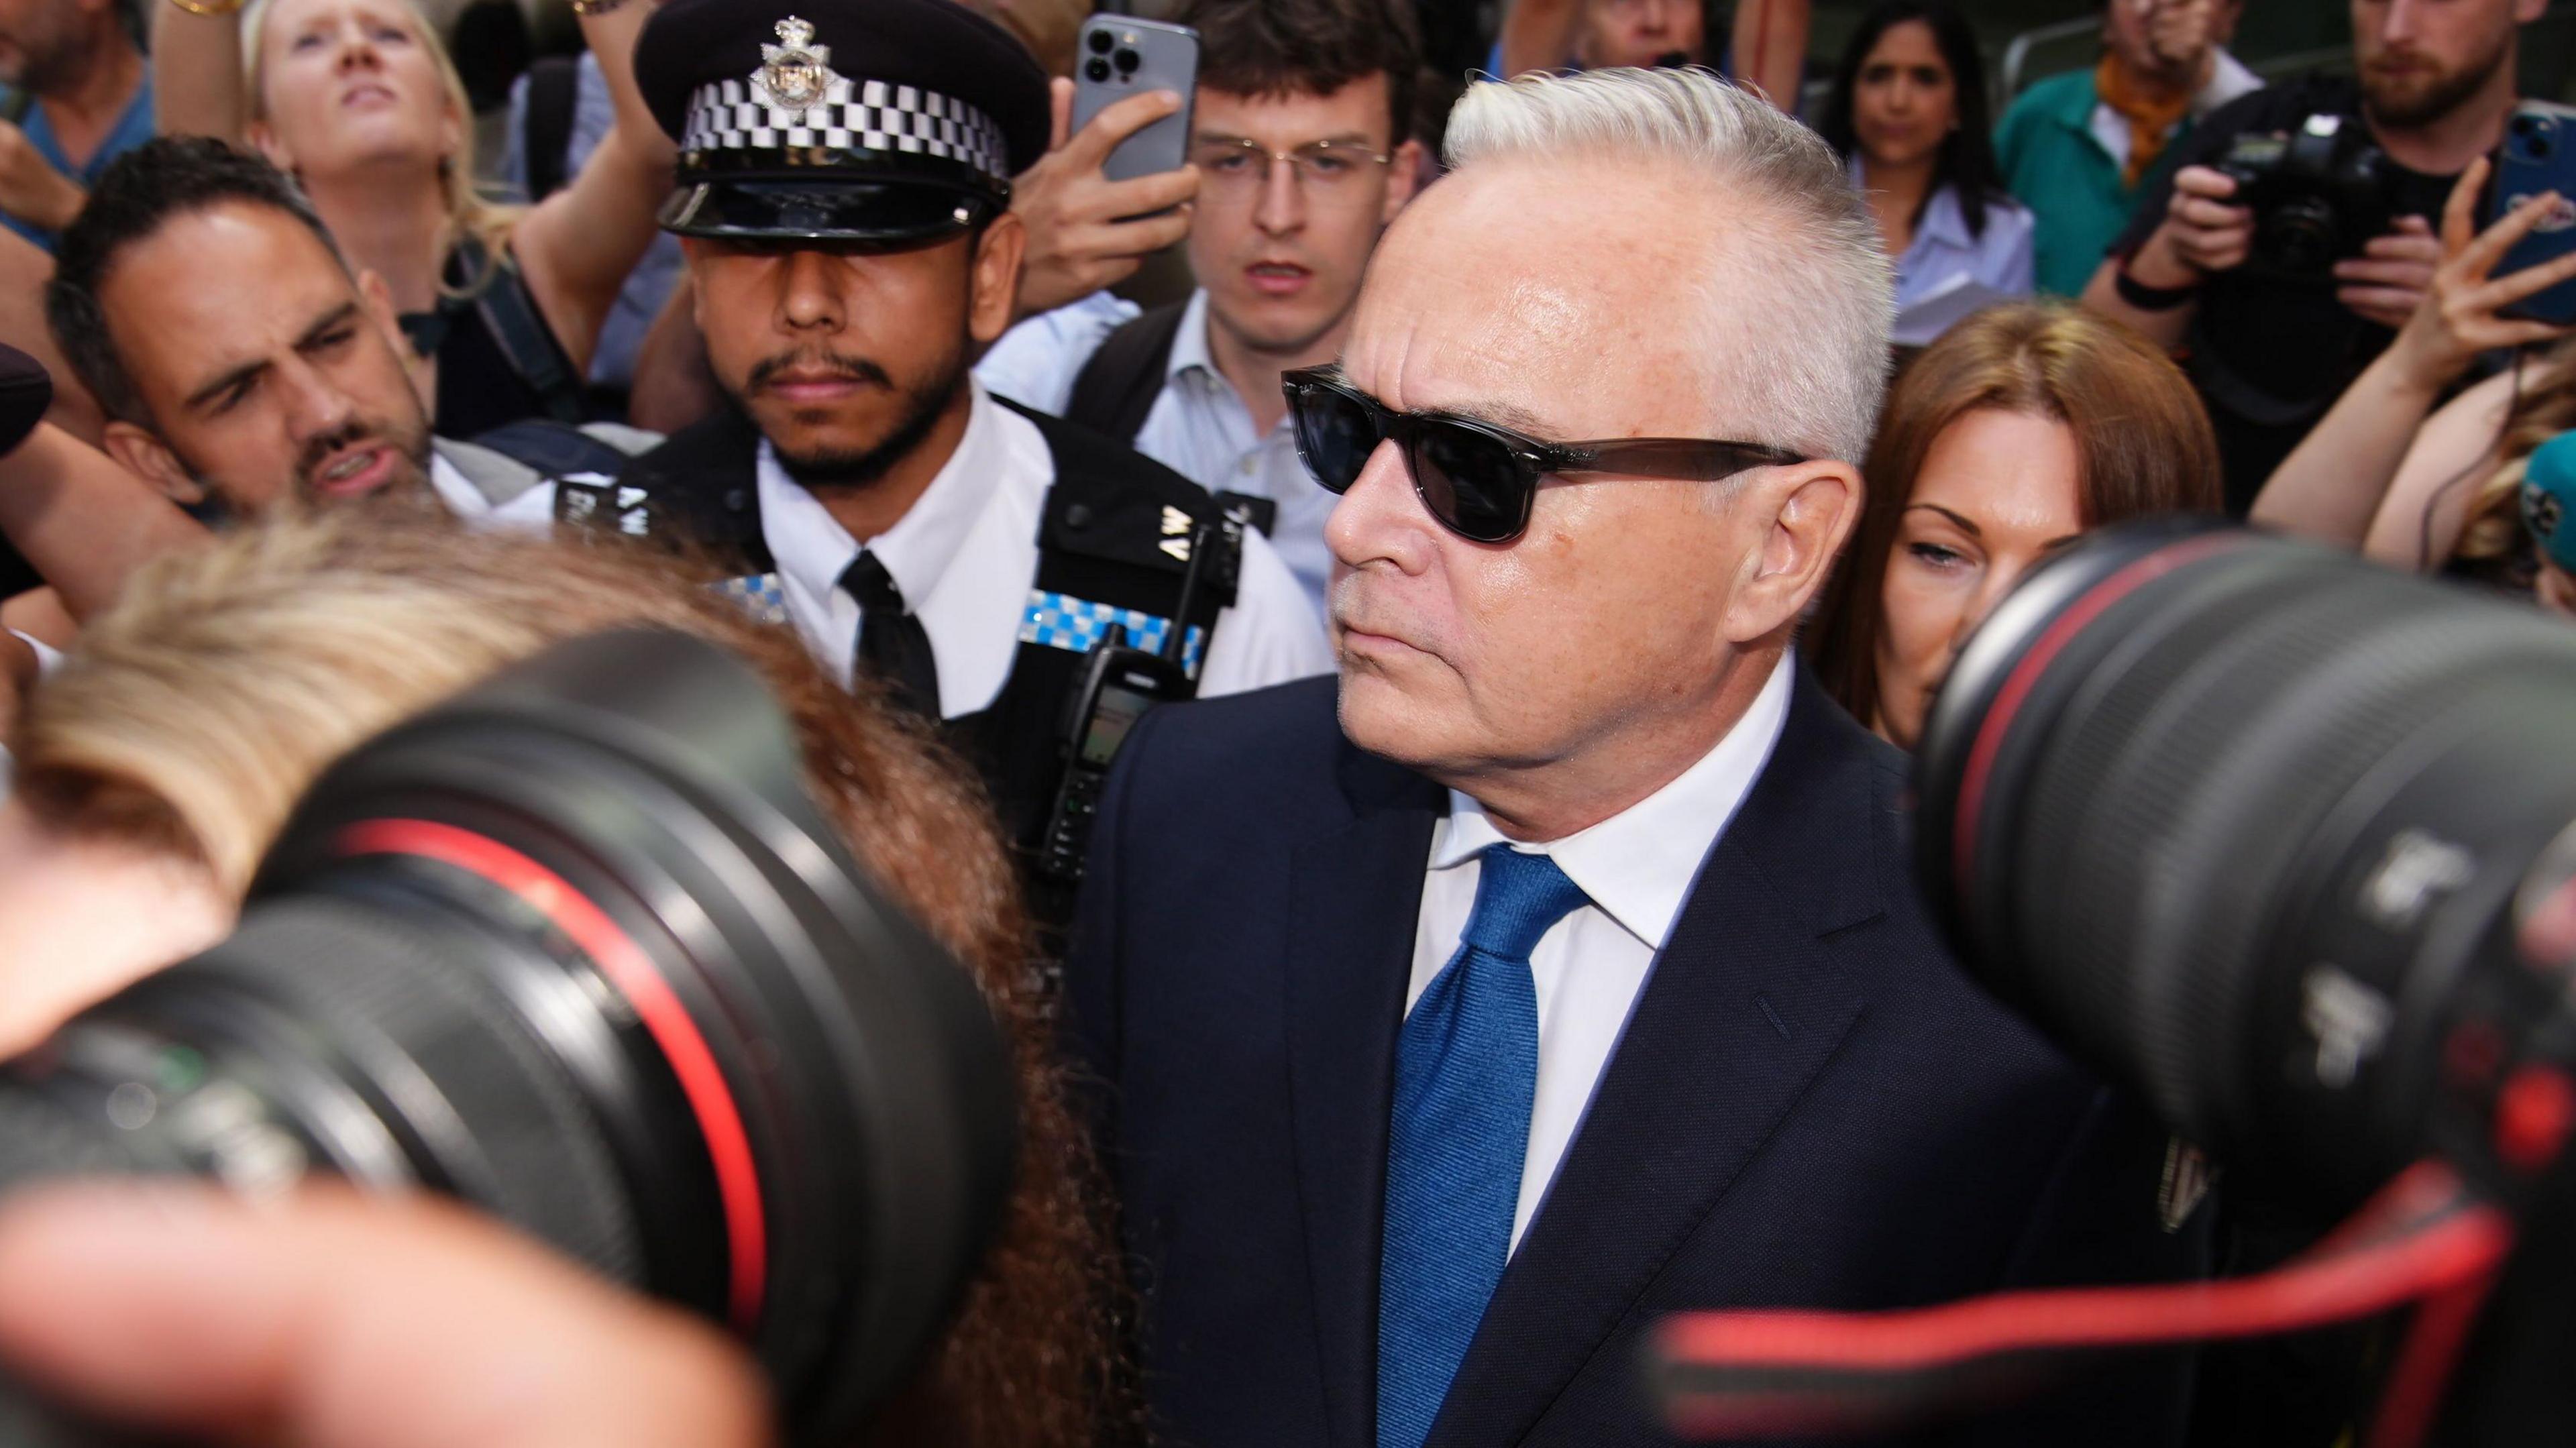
1113 547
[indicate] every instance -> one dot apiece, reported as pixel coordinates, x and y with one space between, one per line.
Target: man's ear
1403 179
146 456
1805 512
995 282
378 299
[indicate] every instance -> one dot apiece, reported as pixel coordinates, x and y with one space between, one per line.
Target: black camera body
2318 192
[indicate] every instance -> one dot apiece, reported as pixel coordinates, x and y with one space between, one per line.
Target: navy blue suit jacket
1811 1106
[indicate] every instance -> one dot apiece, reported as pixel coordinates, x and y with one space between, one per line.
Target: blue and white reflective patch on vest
1061 621
761 595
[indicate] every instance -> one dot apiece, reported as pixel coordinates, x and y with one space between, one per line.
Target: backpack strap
523 336
554 88
1115 390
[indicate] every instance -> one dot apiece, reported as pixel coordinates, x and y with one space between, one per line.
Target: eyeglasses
1232 169
1476 478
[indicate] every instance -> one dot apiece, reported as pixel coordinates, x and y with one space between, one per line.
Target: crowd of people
1565 495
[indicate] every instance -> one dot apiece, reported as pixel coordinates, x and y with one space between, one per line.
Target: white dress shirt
1638 867
964 557
532 511
1198 426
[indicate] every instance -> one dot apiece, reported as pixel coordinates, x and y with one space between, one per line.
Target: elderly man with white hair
1557 967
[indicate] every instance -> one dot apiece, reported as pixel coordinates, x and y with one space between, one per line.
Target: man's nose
1379 519
314 407
809 292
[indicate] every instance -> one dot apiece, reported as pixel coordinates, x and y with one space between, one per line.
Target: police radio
1119 683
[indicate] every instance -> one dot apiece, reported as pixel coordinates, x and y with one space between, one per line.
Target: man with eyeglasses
1558 967
1300 138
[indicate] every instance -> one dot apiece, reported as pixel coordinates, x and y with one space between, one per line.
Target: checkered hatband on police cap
733 115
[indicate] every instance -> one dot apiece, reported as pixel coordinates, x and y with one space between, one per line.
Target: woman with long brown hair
157 765
2018 430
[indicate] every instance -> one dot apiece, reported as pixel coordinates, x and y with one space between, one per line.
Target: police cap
896 122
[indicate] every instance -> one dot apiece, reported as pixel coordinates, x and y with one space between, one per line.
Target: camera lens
579 952
2244 821
1100 42
1128 60
1096 68
2301 237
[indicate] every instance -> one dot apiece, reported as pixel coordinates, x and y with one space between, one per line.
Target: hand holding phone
1086 231
1122 57
2538 159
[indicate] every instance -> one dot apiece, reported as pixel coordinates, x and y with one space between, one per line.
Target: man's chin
1383 717
1280 328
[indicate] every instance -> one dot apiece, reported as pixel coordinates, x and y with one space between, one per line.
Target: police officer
843 200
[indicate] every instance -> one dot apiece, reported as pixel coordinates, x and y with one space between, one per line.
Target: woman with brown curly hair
155 768
2019 429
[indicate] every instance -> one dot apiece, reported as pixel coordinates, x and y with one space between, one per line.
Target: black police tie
892 641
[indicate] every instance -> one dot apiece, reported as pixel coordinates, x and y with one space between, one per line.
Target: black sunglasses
1476 478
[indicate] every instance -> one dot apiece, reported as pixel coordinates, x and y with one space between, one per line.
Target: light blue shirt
132 129
1198 426
1943 256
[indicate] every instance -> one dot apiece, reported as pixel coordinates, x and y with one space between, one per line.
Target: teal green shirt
2054 164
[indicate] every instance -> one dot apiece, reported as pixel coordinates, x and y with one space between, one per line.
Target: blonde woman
358 100
154 769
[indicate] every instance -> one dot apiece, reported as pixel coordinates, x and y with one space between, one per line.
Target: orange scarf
2152 111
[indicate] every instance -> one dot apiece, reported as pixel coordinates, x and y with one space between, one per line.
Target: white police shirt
964 558
1638 867
532 511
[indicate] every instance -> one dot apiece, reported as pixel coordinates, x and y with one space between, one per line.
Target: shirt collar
1638 865
1190 343
1942 220
811 547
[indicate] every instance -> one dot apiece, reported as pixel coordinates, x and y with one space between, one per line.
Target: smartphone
1122 57
2539 154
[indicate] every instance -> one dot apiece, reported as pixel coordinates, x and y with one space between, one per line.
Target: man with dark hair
843 202
2271 350
1301 137
77 96
238 358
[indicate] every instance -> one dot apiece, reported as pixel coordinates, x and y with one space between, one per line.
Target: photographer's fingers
339 1322
2388 306
1090 146
2204 182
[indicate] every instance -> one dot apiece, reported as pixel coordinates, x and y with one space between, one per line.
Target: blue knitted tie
1466 1067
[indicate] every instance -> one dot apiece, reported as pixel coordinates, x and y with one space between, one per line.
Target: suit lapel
1743 1011
1355 896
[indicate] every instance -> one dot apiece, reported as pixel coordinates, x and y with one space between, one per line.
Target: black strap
1117 387
554 90
510 314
